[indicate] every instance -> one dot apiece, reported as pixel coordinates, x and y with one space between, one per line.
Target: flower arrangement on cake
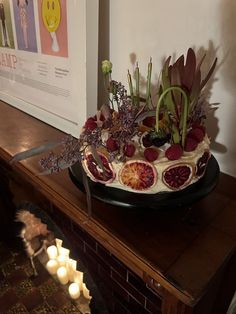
134 144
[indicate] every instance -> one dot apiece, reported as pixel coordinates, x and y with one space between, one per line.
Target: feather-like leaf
195 92
144 115
203 83
87 190
200 62
34 151
189 69
62 165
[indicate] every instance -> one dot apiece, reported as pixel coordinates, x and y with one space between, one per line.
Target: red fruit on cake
149 122
129 149
91 124
112 145
190 144
151 154
197 133
174 152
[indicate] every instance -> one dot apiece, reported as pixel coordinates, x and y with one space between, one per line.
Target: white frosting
161 164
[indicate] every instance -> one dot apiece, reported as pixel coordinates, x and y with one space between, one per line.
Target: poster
48 59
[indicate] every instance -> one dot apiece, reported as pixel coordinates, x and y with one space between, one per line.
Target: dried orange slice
202 164
139 175
95 172
177 176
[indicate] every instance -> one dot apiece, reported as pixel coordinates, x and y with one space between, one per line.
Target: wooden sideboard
186 256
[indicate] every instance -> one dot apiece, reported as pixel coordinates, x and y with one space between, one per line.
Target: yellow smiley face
51 13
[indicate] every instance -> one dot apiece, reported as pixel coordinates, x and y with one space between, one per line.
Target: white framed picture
48 59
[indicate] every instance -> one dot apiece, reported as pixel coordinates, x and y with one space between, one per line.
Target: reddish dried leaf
175 81
189 70
180 65
196 86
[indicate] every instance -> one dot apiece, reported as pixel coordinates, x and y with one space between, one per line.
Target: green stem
148 91
131 87
185 111
137 85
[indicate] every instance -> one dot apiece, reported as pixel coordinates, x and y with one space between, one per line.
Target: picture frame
48 59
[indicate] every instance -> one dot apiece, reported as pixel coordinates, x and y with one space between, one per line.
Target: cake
138 146
138 142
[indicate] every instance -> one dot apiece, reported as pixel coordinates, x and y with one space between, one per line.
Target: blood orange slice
95 172
176 177
202 163
139 175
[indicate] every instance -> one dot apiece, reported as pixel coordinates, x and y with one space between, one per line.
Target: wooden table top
181 249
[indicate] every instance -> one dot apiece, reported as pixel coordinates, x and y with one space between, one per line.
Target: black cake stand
161 200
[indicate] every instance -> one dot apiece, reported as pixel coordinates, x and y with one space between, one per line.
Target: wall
161 28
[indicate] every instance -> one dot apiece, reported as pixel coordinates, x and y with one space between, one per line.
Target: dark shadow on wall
212 122
228 72
103 45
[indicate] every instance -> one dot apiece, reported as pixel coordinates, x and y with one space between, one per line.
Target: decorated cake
142 147
140 142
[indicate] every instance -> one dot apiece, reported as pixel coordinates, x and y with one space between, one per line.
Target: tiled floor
21 292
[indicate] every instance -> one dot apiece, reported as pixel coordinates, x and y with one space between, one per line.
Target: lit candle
78 278
62 275
52 266
71 268
74 290
64 251
62 260
86 292
52 252
58 243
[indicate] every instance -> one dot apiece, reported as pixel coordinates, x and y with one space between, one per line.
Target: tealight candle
86 292
61 260
52 266
74 290
78 278
62 275
52 252
65 252
71 268
58 243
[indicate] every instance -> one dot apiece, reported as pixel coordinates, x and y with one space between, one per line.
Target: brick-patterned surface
122 289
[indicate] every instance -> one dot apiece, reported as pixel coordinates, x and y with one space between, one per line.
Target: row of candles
65 268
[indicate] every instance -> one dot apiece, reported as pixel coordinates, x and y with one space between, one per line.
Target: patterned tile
28 270
69 308
48 288
18 308
9 267
32 299
4 287
17 277
21 292
57 300
23 288
8 300
42 309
